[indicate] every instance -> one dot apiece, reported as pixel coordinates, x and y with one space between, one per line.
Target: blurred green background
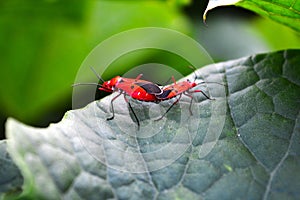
43 43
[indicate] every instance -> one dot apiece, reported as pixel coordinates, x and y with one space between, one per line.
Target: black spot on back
149 88
164 94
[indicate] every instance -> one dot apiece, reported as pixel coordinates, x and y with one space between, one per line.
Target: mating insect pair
143 90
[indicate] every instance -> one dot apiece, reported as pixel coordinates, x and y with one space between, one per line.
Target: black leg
202 93
131 109
112 106
190 107
206 95
169 109
189 95
137 120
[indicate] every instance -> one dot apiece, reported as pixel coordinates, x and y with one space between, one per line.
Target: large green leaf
281 11
252 151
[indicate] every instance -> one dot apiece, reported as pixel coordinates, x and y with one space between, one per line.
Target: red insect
177 90
136 88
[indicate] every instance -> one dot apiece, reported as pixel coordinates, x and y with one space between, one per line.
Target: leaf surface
11 179
243 145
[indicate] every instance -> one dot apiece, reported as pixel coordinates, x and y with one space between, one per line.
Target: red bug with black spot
177 90
138 89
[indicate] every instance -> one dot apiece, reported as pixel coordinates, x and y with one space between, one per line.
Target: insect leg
190 107
166 83
138 77
137 120
174 80
169 109
189 95
203 94
112 106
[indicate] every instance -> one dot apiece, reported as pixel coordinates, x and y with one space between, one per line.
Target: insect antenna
100 86
212 82
78 84
98 76
192 67
97 84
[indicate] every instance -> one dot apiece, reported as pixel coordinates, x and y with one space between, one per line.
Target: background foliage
42 44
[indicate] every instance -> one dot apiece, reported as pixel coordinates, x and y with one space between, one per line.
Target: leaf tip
216 3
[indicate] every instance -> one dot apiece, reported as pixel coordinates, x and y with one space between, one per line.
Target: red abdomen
142 90
142 95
